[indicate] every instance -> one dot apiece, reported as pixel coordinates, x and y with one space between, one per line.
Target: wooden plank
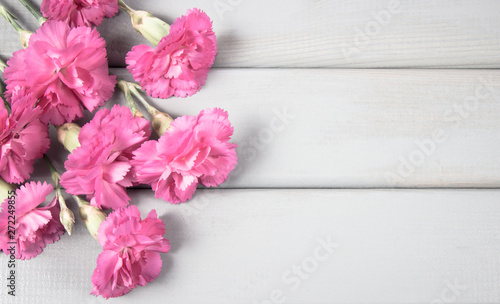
354 128
300 33
248 246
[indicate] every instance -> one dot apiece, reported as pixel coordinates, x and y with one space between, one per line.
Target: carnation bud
67 219
161 122
92 217
25 37
152 28
67 134
5 190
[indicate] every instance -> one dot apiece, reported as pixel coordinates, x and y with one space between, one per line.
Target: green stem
56 176
3 65
79 201
124 87
62 202
66 216
132 106
129 89
126 8
133 89
10 18
24 35
35 12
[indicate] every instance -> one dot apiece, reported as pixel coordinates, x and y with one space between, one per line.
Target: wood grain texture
353 128
319 33
334 127
235 246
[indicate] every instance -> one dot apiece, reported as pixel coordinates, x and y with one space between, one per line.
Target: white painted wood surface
346 128
235 246
353 128
322 33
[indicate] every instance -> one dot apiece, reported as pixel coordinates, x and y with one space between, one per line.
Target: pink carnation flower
195 149
180 63
131 252
35 226
79 12
23 138
66 69
100 167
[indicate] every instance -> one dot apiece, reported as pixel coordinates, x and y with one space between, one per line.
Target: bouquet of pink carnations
62 71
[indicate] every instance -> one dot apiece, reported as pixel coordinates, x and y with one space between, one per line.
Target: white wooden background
370 125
